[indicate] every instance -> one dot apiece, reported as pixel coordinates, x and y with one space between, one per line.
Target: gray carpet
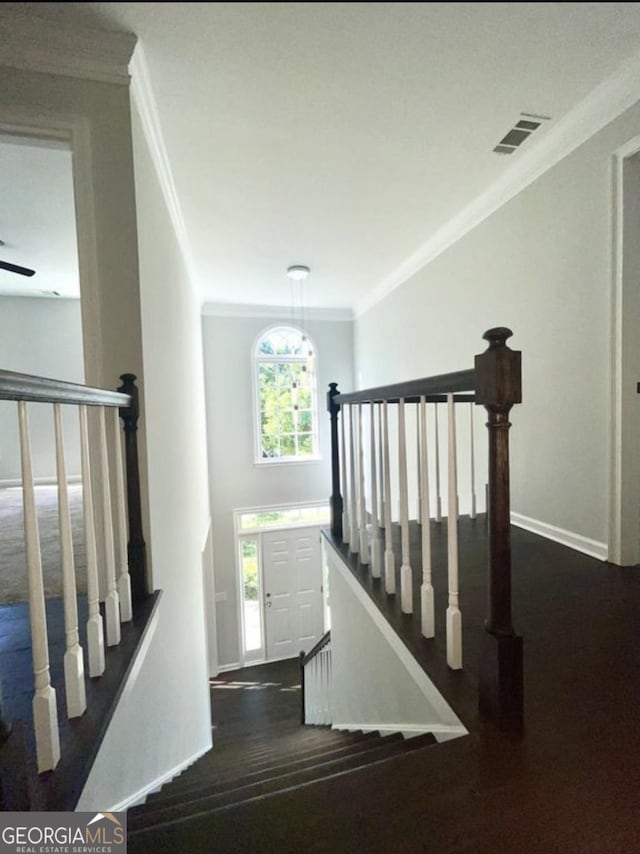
13 567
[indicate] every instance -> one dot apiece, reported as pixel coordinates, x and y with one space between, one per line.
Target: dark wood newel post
498 387
336 497
136 549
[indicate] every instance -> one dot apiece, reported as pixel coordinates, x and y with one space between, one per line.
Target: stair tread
218 765
220 782
146 817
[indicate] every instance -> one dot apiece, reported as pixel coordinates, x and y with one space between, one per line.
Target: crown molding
602 105
144 99
282 312
34 44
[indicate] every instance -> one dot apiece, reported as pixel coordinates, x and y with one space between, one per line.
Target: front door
292 572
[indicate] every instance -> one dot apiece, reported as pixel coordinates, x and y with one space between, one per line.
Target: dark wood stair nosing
379 752
183 819
218 785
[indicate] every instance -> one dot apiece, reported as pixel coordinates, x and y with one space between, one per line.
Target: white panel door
292 572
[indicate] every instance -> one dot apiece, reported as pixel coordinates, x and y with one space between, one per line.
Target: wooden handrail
34 389
441 384
324 640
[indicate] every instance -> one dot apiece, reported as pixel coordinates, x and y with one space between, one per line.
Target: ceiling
344 135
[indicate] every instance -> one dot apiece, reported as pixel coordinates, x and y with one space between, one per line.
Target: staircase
260 750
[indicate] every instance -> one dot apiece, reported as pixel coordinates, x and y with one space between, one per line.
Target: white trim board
593 548
35 44
441 732
144 99
415 671
602 105
141 795
282 312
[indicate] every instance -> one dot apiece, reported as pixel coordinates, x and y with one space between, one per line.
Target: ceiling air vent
519 132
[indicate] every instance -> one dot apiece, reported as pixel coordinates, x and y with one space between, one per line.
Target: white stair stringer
377 685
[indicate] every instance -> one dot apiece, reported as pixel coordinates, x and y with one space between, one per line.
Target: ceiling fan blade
13 268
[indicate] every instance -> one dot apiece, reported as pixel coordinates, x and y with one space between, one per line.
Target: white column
454 618
389 559
45 713
122 561
375 530
427 618
472 462
362 514
73 658
406 576
437 452
95 634
381 514
354 534
112 600
344 476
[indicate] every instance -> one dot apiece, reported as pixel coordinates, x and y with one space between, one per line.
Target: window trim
256 359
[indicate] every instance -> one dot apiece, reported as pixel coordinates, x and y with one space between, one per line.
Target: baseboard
593 548
10 482
441 732
141 795
223 668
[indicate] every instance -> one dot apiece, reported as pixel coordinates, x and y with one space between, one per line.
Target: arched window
286 396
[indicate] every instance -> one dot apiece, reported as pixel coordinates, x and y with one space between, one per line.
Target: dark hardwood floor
572 784
79 738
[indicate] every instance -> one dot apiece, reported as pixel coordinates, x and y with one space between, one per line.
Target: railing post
336 497
499 386
136 548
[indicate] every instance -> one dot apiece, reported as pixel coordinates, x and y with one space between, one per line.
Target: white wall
165 719
235 480
542 266
40 336
376 682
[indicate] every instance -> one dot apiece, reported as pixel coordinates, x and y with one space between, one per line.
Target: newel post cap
333 392
498 371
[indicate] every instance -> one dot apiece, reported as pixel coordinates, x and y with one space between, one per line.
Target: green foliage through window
286 395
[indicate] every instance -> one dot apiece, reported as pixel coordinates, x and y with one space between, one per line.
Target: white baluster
437 452
95 633
427 618
364 538
406 576
325 688
112 600
354 534
73 658
375 530
124 580
454 617
381 514
344 476
418 468
45 713
330 686
472 463
389 558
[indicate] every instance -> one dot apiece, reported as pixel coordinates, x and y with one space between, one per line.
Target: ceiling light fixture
298 272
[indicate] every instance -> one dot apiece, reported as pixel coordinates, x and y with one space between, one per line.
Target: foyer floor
571 785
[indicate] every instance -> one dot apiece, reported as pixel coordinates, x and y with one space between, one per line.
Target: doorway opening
624 514
281 586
